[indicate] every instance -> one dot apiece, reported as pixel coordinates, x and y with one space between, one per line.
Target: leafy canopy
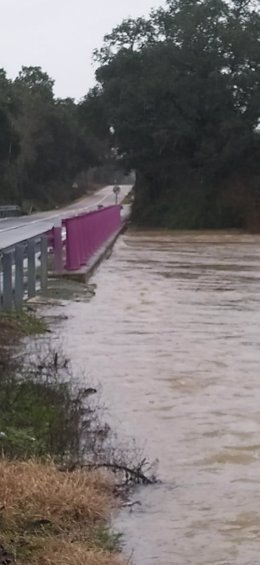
45 143
181 90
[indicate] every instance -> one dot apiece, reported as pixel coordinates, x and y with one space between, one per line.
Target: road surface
14 230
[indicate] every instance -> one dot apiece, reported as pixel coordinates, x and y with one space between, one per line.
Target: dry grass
49 517
38 491
64 553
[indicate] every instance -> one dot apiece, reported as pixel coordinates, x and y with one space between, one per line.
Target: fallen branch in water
133 475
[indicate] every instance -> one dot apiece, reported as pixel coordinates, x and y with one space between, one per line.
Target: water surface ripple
173 335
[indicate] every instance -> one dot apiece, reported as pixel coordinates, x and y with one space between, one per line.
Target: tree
35 80
54 146
182 91
93 120
45 143
9 139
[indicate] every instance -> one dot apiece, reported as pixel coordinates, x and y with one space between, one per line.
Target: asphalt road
15 230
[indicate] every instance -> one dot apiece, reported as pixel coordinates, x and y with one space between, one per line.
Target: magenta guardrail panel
72 244
87 233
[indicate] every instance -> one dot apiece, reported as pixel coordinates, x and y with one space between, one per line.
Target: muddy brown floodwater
173 335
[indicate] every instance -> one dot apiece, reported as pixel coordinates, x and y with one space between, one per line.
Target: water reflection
173 335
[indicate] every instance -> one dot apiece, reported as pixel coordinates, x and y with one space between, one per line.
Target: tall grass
49 516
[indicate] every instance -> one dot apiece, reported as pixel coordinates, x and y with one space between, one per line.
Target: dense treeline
46 144
181 90
177 100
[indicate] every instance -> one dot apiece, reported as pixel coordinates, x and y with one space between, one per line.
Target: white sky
60 35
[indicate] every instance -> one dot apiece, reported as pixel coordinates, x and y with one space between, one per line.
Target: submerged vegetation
61 467
14 325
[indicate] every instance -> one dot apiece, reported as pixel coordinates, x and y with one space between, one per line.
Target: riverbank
53 517
50 513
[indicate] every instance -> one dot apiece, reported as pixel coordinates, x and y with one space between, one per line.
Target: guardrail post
31 269
44 262
1 283
57 248
7 281
19 282
73 258
81 241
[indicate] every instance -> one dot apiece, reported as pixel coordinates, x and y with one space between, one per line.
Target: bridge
71 238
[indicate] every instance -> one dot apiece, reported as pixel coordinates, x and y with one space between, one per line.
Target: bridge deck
15 230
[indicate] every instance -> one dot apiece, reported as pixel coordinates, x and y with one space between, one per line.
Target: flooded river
173 335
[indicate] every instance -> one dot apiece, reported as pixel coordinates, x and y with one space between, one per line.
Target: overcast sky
60 35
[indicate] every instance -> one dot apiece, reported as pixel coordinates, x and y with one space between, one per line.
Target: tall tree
9 139
54 147
45 143
182 91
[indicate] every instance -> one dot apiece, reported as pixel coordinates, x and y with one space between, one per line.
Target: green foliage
45 143
42 413
32 417
23 323
181 91
107 540
35 80
9 139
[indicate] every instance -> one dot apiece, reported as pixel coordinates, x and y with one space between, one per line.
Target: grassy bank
14 326
51 517
52 511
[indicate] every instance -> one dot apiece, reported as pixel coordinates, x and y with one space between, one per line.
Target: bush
46 413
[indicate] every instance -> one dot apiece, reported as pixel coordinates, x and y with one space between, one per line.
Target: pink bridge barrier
85 235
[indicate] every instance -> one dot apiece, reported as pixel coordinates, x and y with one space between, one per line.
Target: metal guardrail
79 238
87 233
74 239
9 211
23 268
24 265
